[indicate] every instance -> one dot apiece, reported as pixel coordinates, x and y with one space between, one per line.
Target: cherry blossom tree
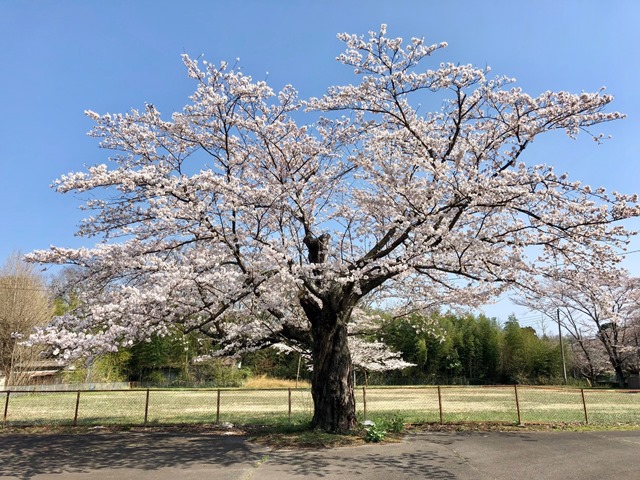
632 361
598 307
256 217
589 359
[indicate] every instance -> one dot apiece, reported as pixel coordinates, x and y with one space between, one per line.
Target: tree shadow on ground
25 456
353 462
450 438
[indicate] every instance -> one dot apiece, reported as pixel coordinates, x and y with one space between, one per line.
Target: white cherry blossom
258 218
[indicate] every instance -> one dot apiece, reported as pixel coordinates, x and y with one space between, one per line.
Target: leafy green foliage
527 358
374 433
169 361
393 424
469 349
216 372
107 368
276 364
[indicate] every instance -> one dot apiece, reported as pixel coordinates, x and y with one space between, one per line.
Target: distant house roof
41 365
42 373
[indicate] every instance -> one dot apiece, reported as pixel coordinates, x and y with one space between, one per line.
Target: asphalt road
451 455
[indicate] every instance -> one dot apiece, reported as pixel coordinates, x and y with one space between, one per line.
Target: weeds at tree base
377 430
393 423
374 433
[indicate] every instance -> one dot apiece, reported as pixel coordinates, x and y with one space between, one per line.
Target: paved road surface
455 455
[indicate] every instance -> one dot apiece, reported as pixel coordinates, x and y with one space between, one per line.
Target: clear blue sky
58 58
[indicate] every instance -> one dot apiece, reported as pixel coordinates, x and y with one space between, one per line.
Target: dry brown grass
263 381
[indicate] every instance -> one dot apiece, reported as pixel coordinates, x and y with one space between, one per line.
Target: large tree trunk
332 379
334 404
619 376
610 342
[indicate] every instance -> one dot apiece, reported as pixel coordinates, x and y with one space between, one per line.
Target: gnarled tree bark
332 378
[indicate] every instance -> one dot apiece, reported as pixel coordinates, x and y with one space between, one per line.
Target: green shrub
374 433
394 423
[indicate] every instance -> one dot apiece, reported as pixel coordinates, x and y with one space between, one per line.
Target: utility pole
564 365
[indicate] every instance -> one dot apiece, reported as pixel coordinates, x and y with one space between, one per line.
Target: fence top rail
425 387
222 389
471 387
569 389
81 390
586 389
611 390
478 386
175 390
554 388
285 389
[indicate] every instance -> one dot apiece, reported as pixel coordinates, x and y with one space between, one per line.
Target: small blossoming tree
236 218
599 308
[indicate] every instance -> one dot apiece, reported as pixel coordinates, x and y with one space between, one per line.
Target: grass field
275 406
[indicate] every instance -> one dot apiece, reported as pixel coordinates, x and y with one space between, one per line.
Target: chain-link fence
450 404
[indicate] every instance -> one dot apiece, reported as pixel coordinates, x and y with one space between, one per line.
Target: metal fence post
146 408
6 409
584 406
289 406
218 408
75 415
440 405
364 401
515 388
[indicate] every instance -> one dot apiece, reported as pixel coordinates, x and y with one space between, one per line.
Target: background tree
421 339
169 351
443 346
470 349
232 219
275 363
24 305
477 343
527 358
596 303
589 360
